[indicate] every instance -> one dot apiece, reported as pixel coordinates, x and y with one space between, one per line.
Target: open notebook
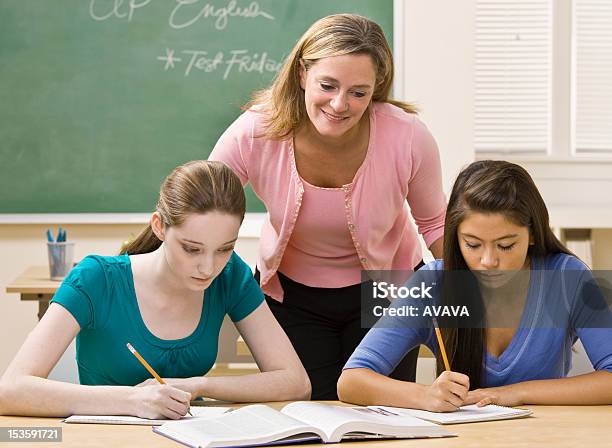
300 421
465 414
198 412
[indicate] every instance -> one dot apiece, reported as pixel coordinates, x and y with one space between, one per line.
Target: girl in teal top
167 295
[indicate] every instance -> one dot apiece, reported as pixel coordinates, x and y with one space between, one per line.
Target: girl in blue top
496 228
167 295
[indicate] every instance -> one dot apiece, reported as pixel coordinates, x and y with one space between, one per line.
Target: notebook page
197 411
465 414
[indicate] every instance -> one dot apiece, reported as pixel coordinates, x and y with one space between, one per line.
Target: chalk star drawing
169 58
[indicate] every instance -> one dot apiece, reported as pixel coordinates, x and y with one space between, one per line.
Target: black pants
324 326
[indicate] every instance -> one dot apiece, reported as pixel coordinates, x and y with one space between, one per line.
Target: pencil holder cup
60 259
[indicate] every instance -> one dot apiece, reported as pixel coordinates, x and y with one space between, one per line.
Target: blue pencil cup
60 259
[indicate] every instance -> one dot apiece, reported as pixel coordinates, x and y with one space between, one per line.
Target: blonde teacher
337 163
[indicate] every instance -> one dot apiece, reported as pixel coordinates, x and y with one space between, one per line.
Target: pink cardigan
402 163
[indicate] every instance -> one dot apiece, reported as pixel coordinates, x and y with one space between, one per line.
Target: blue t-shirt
99 293
541 346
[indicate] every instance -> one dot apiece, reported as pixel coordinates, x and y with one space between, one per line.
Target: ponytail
144 243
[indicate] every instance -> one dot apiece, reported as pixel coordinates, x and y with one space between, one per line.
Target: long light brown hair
335 35
199 186
490 186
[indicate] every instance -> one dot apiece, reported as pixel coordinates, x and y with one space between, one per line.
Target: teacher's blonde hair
335 35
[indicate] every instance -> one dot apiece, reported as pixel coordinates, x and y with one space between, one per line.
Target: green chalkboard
100 99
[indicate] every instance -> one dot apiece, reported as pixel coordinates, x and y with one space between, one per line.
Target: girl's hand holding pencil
447 393
450 390
187 384
159 399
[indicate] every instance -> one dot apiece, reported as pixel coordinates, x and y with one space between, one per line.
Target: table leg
42 299
42 308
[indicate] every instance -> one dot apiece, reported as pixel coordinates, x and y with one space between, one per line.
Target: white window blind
513 76
592 80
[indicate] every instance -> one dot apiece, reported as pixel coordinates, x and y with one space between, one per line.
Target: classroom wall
438 81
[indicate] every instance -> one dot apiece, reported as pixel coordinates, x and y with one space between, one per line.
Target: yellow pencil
441 345
147 366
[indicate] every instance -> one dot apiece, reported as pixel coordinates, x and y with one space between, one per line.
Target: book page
465 414
197 411
339 421
254 424
323 416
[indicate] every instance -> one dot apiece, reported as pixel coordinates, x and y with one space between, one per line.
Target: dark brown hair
490 186
199 186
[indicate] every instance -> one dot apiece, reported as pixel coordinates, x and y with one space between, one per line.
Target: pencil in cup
148 367
441 345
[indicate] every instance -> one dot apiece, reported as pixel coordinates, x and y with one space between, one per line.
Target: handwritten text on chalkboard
241 61
184 14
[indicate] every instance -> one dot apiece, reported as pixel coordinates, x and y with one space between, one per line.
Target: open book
297 422
465 414
198 412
